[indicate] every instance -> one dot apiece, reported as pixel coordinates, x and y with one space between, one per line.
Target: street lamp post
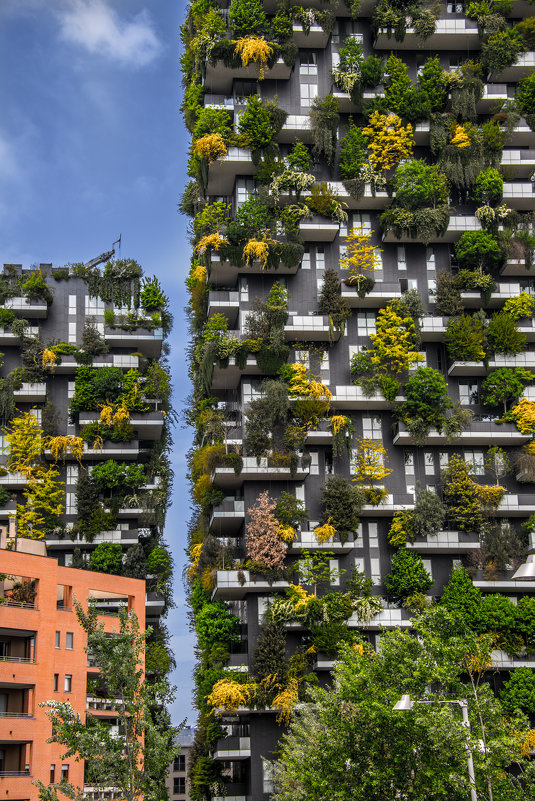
405 704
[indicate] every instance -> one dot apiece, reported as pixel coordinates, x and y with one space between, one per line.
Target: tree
393 342
262 540
519 692
408 575
478 249
134 760
426 397
247 17
370 461
107 558
389 141
504 385
525 96
503 335
349 743
488 188
420 185
352 152
427 517
464 339
462 505
341 504
315 568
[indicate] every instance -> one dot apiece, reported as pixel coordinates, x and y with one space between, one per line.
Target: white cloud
99 29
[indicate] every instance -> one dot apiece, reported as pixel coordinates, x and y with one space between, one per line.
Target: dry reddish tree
261 535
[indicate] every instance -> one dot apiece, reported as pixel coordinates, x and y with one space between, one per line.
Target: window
64 773
308 92
94 305
468 394
430 259
245 187
72 473
67 683
58 639
72 304
402 259
475 461
56 682
69 640
179 785
305 262
72 332
308 64
443 459
267 776
365 323
429 461
372 428
179 764
320 258
409 463
52 773
71 505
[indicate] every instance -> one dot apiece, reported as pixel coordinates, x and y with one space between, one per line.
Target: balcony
522 135
319 230
433 328
519 195
516 506
346 104
257 470
236 584
502 661
504 291
31 308
124 537
297 126
232 748
109 450
228 517
69 364
382 294
352 396
457 226
504 585
520 162
387 619
493 98
149 343
224 273
524 66
229 377
224 302
369 200
450 34
321 435
219 77
222 173
30 393
446 542
526 360
146 426
15 480
479 433
307 541
7 337
316 38
103 705
392 503
365 10
517 267
310 328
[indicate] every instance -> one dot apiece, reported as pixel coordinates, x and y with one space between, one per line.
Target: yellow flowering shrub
388 140
228 695
299 598
528 742
360 256
195 555
208 578
210 241
60 446
49 359
287 533
523 416
370 461
460 137
210 147
116 415
254 50
285 701
325 532
338 423
298 382
256 250
489 495
392 342
400 531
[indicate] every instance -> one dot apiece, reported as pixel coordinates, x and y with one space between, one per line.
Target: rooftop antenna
117 242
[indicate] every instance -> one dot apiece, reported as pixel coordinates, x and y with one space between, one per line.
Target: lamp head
526 571
404 704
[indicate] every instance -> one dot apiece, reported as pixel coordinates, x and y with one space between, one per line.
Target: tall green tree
350 745
135 759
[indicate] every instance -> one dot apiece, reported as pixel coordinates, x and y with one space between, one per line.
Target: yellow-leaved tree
370 461
44 492
392 342
361 256
254 50
388 140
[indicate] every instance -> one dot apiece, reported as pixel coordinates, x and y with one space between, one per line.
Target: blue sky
92 146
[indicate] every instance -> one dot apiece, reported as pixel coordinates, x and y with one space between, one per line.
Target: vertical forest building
362 343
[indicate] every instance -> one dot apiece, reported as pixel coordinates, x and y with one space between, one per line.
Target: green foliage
152 296
525 97
352 152
324 120
6 317
426 397
462 599
215 624
270 664
330 301
35 286
211 121
521 306
448 297
96 386
519 692
463 508
247 17
107 558
299 157
488 188
419 185
501 50
289 511
255 124
478 249
341 504
427 517
464 339
408 575
159 563
505 385
503 335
